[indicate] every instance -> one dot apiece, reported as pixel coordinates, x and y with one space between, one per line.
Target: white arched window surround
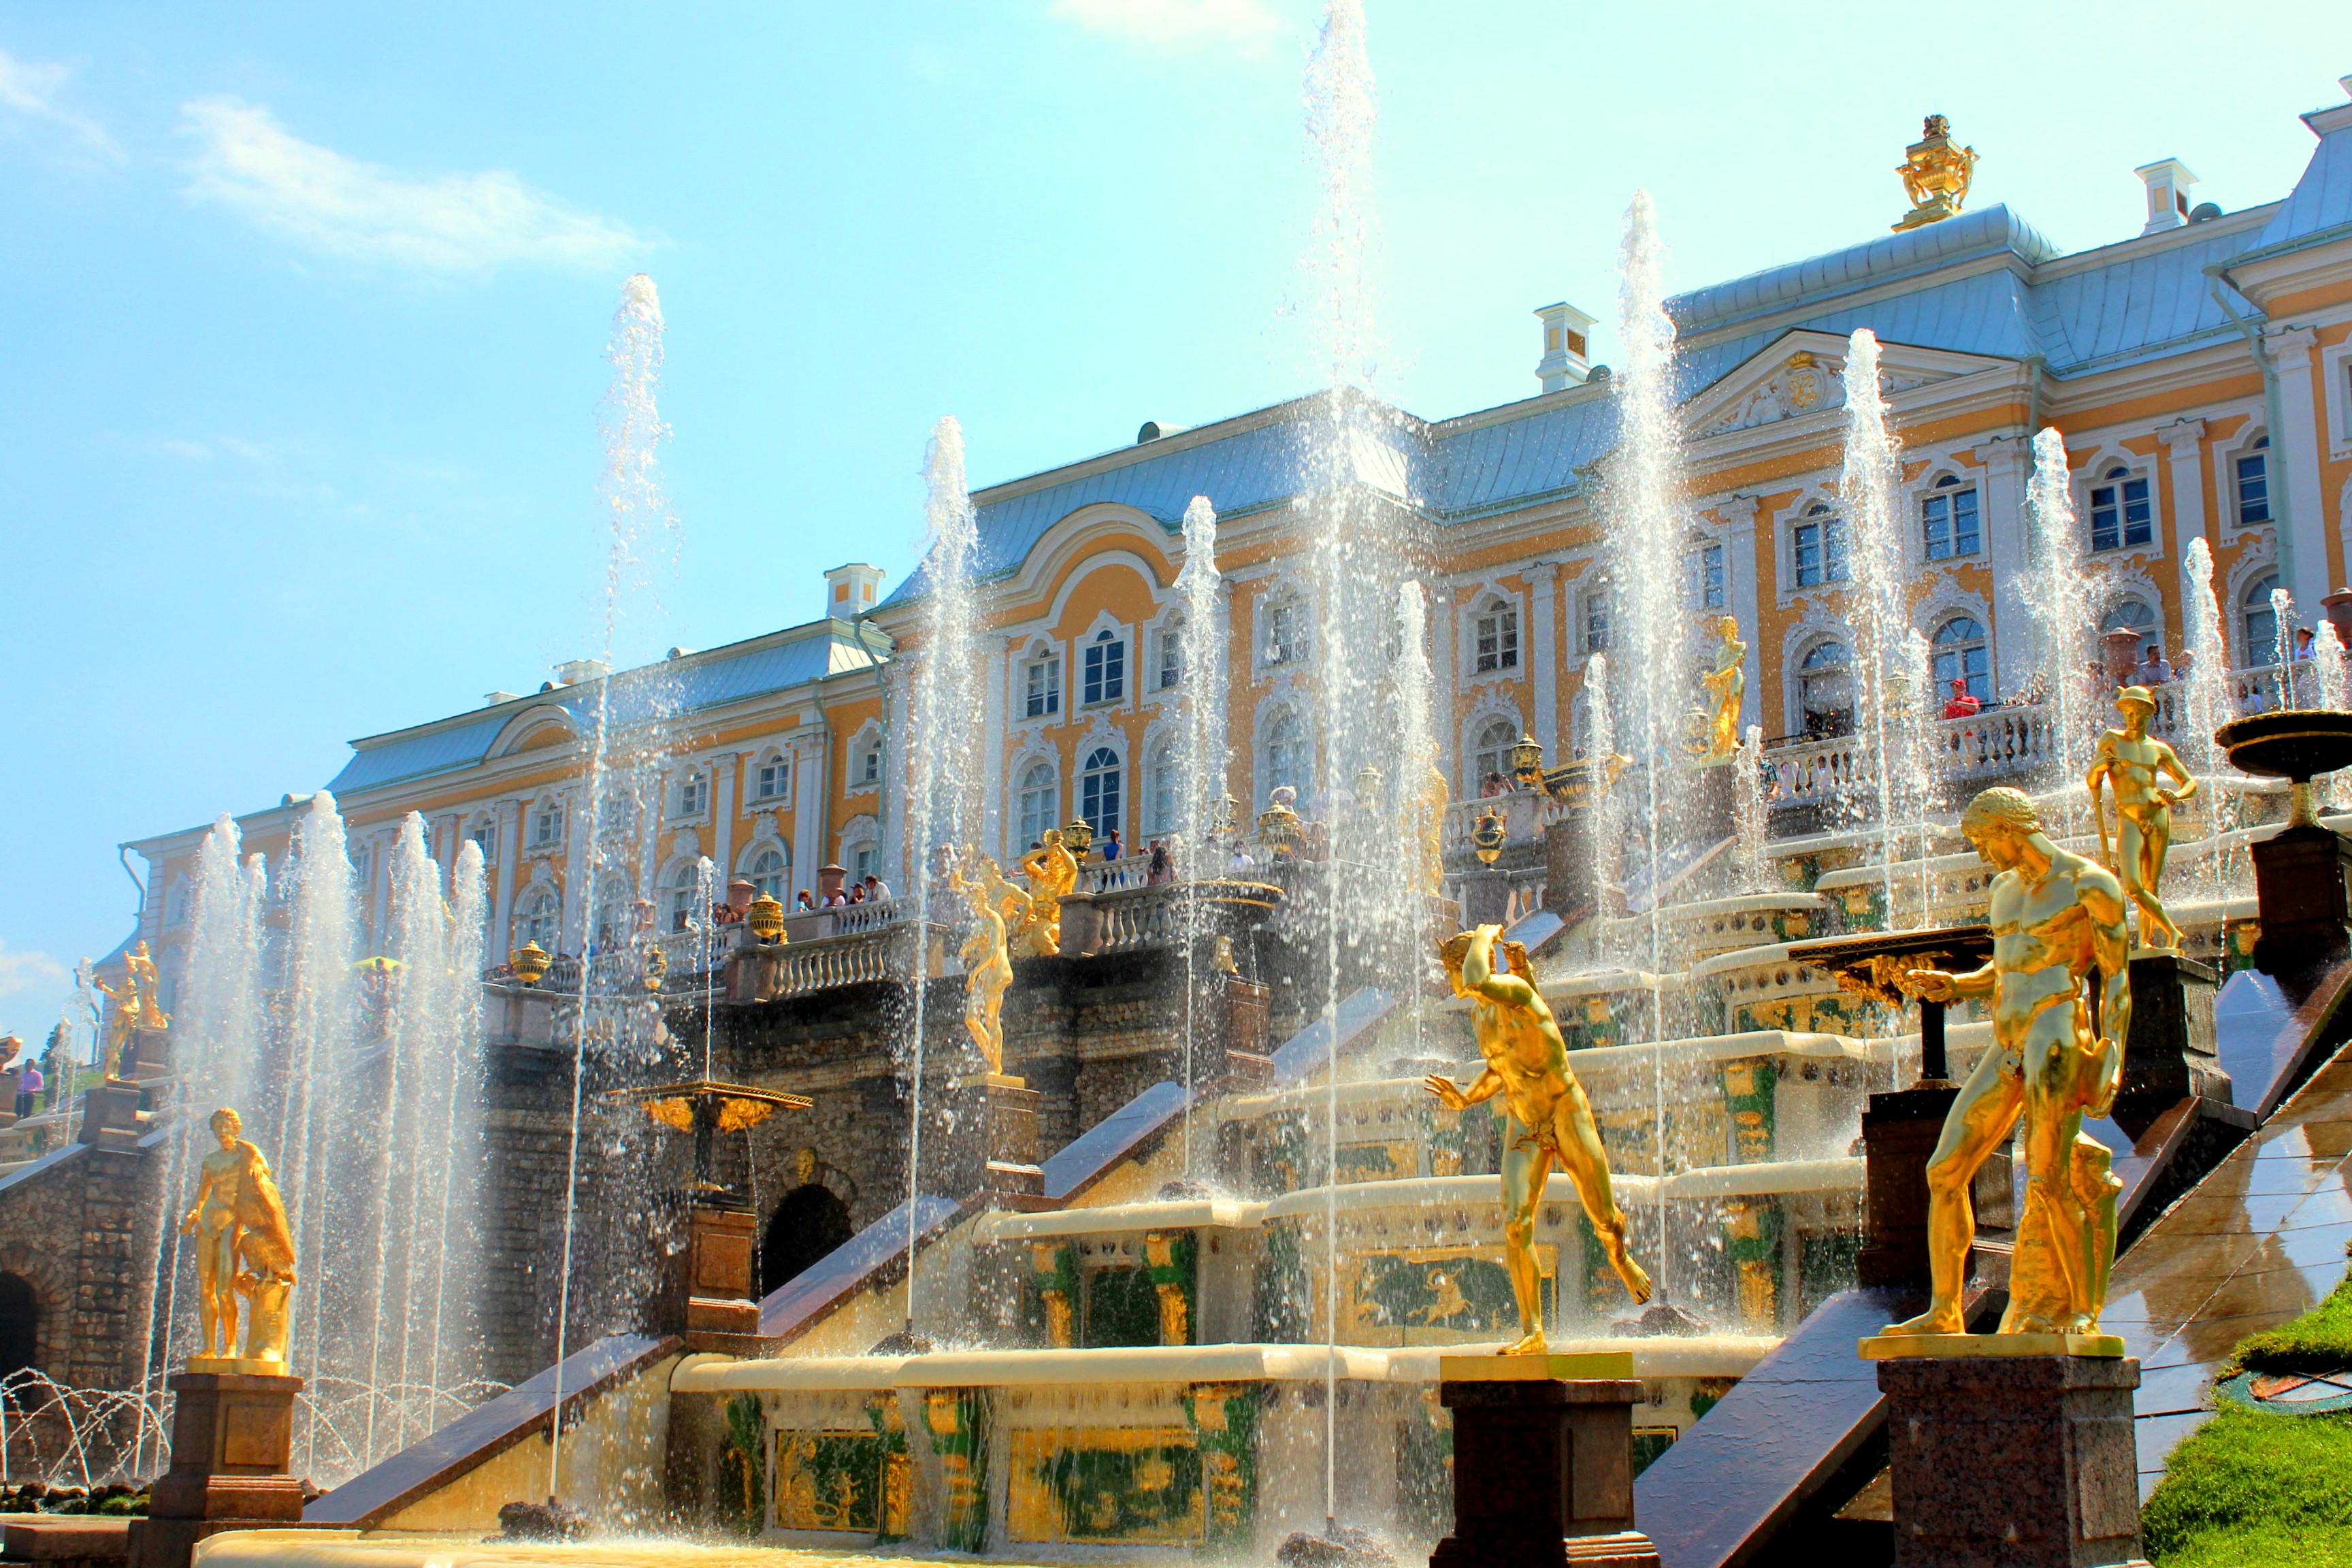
1037 802
690 795
1038 692
1817 547
1825 688
1491 740
1495 634
1961 652
539 916
680 895
1167 667
768 862
1102 787
1102 664
542 826
1161 808
2129 612
2248 479
771 778
865 757
2258 624
861 847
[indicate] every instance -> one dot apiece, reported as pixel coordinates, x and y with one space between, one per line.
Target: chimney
850 591
2167 184
573 672
1566 346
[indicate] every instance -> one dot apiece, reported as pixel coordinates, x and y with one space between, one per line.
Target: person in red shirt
1962 705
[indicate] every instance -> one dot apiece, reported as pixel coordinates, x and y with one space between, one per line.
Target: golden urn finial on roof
1936 174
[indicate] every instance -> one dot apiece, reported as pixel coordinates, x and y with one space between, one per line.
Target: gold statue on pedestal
1725 683
2130 759
1550 1122
239 1219
1053 874
139 1005
2057 919
987 966
1936 174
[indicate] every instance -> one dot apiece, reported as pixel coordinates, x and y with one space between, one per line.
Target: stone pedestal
232 1437
1082 926
2170 1055
2013 1461
150 1054
1242 1035
1012 1178
1571 869
1898 1138
2299 880
110 1115
1543 1465
1486 898
1710 800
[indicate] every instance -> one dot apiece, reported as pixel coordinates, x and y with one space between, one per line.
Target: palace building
2201 372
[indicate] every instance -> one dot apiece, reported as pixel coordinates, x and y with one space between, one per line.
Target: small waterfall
2059 596
943 741
1199 757
1749 805
1886 687
2291 680
1608 804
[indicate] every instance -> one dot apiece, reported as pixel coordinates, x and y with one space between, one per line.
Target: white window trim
1038 651
1490 600
2336 397
2225 477
868 737
2092 477
1926 491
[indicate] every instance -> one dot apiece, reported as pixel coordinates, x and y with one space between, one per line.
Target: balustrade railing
1114 876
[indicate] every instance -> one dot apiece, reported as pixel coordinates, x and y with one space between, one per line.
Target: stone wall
82 1233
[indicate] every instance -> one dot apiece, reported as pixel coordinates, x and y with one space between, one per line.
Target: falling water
1749 805
221 1021
944 745
1608 806
1884 685
2290 678
2327 666
2205 706
1200 754
1420 789
2059 599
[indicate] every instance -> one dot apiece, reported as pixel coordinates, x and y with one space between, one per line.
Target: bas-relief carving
1806 383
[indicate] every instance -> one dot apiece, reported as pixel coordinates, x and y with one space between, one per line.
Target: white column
1445 666
2184 450
508 815
992 688
1739 579
2004 460
808 808
2297 447
724 768
1543 668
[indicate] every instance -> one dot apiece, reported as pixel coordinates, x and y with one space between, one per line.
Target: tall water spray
2205 706
1886 679
1199 757
944 741
1419 789
2059 598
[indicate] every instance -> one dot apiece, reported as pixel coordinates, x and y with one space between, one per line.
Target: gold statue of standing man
2057 920
1725 683
2129 759
243 1247
987 966
1550 1121
1053 874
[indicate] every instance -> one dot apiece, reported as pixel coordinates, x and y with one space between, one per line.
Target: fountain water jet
2059 598
1201 756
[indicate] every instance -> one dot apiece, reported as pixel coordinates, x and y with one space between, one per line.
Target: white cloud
340 206
1173 21
21 972
30 90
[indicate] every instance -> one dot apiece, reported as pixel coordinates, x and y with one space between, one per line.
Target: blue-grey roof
685 685
2322 199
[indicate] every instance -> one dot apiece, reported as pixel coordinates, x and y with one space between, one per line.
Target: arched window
1491 757
2121 516
538 917
693 793
1285 637
1951 522
1960 654
685 903
613 916
865 766
773 779
2261 621
1495 629
1040 803
1825 688
2131 615
2250 477
1818 547
768 871
20 1326
1099 791
1286 754
1105 677
1160 786
809 1223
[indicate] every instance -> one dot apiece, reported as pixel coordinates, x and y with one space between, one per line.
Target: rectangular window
1498 632
773 780
485 838
1596 620
1044 677
869 766
2121 517
1286 632
1172 658
1703 578
1951 525
1105 680
689 796
547 825
2253 489
1820 550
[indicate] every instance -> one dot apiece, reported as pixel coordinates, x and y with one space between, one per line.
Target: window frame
543 836
1051 789
1102 678
1495 759
1284 638
1707 587
2119 481
2257 450
1832 546
1495 636
1102 790
1041 684
2249 606
1823 671
1284 738
1595 608
1169 669
693 793
1940 508
772 779
1978 643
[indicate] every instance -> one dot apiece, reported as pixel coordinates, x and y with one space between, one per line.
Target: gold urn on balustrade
1487 836
1936 174
1079 837
529 963
1527 762
766 919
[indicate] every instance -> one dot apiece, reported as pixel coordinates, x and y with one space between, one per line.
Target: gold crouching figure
243 1247
2057 921
1550 1122
2130 760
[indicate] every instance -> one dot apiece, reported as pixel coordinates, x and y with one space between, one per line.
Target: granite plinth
1899 1132
2169 1055
1543 1469
709 1287
1895 1347
232 1438
2013 1461
2300 875
1012 1175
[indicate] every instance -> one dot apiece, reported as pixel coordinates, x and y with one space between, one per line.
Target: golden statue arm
1479 972
2170 761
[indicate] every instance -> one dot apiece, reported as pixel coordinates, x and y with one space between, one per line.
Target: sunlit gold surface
1278 825
1725 683
243 1247
1936 174
987 966
1053 874
2129 760
2057 919
1897 1347
1550 1121
352 1549
529 963
138 1005
1487 838
766 917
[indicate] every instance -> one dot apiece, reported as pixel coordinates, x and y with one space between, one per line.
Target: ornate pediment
1804 372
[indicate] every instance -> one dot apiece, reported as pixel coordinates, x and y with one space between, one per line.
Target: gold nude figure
2056 917
1550 1121
2130 760
1053 874
987 966
1725 683
238 1217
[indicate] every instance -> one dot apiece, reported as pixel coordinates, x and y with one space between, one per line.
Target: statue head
804 1165
2001 822
2135 696
1728 627
226 1125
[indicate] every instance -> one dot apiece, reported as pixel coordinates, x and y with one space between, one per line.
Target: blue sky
304 306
